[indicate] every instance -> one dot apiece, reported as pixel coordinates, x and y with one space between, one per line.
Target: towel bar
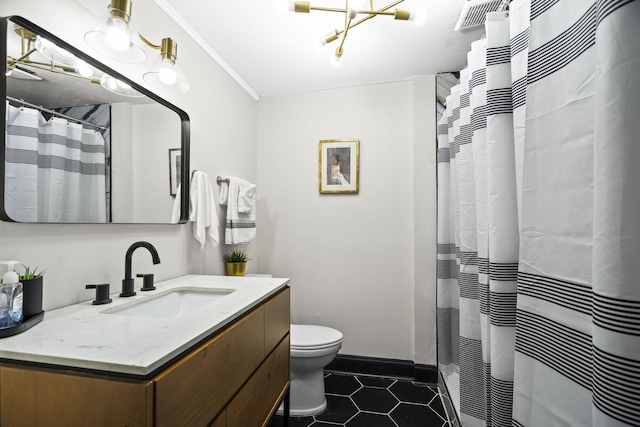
220 180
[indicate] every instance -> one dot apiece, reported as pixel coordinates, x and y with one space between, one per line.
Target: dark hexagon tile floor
366 401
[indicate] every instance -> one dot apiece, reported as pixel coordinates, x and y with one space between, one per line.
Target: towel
202 211
240 198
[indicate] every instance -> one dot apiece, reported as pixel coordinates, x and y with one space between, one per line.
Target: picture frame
339 166
175 172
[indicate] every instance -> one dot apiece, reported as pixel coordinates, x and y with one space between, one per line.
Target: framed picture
175 171
339 166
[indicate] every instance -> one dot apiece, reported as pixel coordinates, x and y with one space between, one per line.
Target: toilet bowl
312 348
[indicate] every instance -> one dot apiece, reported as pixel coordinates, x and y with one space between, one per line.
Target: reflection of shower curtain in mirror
55 169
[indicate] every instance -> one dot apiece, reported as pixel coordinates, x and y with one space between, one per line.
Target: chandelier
355 13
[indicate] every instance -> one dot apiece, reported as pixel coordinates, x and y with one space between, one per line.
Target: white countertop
82 336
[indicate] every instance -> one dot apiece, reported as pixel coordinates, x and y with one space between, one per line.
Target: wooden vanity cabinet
236 378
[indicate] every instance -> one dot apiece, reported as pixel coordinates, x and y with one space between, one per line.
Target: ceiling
270 54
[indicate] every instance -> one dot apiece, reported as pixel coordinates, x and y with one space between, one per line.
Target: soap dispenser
10 299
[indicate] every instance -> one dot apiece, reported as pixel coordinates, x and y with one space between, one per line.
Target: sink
171 304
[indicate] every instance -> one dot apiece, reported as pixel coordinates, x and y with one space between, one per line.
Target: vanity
220 360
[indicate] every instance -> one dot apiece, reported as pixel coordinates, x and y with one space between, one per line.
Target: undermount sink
171 304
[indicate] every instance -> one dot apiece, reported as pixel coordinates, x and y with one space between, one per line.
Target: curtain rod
55 113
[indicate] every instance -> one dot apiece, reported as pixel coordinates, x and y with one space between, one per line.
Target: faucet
128 282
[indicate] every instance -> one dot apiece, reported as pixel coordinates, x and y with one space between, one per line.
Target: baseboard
377 366
426 374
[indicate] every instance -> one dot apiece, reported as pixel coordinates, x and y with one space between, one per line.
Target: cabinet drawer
34 397
221 421
197 388
258 398
276 319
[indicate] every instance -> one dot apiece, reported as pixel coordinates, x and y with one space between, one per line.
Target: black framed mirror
83 143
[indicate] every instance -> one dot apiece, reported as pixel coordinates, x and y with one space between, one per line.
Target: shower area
539 219
57 163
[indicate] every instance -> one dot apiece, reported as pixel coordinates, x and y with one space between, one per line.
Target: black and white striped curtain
539 219
54 169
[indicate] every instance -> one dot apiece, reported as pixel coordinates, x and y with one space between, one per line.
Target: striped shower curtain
54 169
539 218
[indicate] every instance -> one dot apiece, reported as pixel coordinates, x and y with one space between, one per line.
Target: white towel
202 210
239 197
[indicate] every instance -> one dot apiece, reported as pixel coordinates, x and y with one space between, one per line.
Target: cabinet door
221 421
276 319
196 389
259 398
34 397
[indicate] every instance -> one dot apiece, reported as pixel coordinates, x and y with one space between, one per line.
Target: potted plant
31 291
236 262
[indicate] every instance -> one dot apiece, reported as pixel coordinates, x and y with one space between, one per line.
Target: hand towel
202 210
239 197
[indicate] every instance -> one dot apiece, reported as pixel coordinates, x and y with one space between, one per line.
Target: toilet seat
314 337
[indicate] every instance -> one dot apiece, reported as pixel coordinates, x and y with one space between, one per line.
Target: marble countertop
83 336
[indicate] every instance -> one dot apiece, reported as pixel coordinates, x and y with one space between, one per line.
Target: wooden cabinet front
236 378
263 392
196 389
34 397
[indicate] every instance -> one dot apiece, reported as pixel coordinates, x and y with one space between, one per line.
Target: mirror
75 148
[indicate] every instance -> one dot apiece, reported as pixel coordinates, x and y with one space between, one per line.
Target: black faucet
128 282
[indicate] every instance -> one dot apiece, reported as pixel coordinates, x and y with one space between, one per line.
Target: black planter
31 297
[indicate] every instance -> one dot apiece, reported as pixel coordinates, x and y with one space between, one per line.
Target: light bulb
319 42
122 84
418 16
283 7
84 69
108 82
167 74
43 44
117 37
8 73
336 59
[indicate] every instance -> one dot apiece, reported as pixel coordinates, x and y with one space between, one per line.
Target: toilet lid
314 337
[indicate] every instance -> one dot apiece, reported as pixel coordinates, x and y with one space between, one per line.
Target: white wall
351 257
150 183
357 262
223 139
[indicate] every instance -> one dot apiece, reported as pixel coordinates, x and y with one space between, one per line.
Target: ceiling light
351 10
166 71
114 37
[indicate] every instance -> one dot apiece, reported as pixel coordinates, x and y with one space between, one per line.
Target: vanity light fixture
115 38
166 70
60 60
351 10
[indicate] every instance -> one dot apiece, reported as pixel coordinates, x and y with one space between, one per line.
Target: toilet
312 348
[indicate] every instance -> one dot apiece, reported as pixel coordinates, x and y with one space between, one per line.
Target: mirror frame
184 118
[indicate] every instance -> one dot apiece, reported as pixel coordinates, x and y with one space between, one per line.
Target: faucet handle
147 282
127 288
102 293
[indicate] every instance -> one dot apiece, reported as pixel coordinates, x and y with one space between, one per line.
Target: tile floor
365 401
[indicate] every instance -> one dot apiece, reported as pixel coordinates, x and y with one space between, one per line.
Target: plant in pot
31 291
236 262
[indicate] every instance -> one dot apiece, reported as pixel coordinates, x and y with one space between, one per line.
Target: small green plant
236 256
31 274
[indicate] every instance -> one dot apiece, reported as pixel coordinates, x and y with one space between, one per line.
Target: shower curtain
539 218
55 169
